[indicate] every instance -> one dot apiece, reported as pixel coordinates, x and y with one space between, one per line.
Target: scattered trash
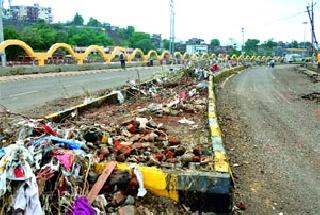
70 167
241 206
185 121
236 165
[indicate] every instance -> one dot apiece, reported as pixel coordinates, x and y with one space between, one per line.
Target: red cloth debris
48 130
214 67
18 172
182 96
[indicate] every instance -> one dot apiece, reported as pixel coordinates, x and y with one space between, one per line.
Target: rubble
70 166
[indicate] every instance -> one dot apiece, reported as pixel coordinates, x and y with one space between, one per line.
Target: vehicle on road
292 58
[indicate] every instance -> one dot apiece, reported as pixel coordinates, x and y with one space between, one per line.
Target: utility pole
3 54
171 47
314 41
242 49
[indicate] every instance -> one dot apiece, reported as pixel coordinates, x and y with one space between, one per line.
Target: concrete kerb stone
211 191
221 162
25 70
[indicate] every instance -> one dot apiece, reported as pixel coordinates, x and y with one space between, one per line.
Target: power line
286 18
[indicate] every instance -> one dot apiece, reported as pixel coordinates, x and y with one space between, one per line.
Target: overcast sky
206 19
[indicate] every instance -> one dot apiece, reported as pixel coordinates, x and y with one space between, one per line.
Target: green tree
86 37
166 44
10 33
294 44
130 30
32 37
77 20
141 40
268 47
12 52
145 45
40 36
215 42
251 46
94 22
270 43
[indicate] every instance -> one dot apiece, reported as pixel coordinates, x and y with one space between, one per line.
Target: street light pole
171 48
3 54
304 37
242 49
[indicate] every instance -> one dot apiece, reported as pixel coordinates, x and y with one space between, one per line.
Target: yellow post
40 61
80 61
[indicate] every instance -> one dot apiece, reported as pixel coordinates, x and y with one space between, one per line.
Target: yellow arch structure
164 53
56 46
185 56
213 55
29 51
150 53
205 55
134 53
89 49
42 56
178 55
195 56
234 57
269 58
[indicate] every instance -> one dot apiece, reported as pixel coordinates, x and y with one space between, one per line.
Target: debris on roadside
70 166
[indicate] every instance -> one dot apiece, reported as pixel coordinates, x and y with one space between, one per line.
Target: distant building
180 47
195 41
29 13
222 49
197 49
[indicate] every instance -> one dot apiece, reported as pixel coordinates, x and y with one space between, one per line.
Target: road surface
273 138
21 93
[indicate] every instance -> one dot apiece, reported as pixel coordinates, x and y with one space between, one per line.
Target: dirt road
273 140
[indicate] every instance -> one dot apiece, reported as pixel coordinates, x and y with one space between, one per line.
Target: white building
197 49
34 13
44 13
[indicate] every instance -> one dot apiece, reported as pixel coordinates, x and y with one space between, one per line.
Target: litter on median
92 162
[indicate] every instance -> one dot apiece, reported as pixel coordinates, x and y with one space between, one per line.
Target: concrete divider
199 190
24 70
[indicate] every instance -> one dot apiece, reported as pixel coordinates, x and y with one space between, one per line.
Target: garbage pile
70 167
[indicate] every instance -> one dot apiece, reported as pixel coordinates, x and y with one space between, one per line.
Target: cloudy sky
206 19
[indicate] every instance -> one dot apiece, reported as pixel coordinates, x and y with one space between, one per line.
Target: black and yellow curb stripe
198 190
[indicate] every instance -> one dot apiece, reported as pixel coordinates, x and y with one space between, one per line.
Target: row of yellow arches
41 57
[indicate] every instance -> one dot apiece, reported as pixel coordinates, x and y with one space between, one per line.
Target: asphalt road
273 137
22 93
